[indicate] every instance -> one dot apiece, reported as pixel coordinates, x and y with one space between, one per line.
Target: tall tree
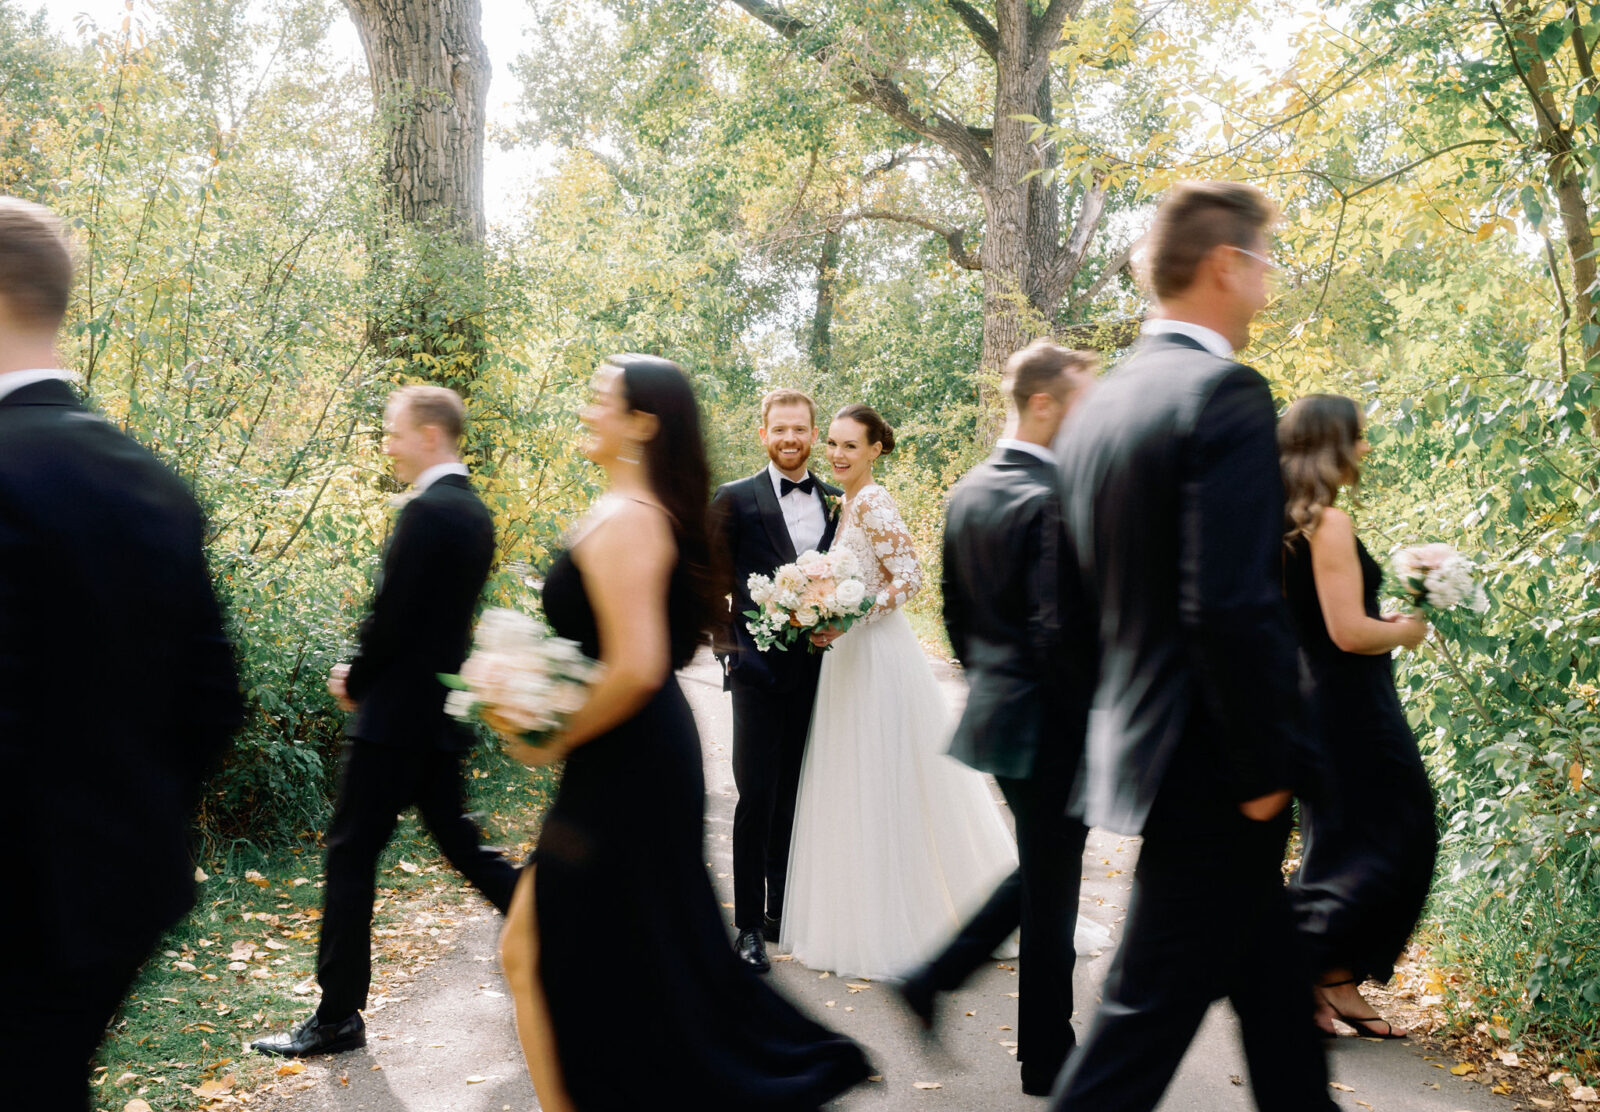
430 79
1030 253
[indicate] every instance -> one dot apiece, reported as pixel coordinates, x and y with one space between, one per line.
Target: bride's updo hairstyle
675 462
878 430
1317 438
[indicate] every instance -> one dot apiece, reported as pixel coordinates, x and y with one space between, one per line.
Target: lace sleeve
891 546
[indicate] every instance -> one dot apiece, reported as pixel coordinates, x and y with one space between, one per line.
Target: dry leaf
1575 774
200 877
1584 1093
257 879
476 1080
1461 1069
136 1105
216 1087
1341 1088
1364 1104
289 1069
926 1085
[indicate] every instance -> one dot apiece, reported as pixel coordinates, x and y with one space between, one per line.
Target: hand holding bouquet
818 591
1437 575
521 679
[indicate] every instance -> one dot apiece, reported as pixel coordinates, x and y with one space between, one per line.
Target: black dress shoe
915 994
310 1037
752 950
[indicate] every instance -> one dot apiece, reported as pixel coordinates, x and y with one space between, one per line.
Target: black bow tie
804 486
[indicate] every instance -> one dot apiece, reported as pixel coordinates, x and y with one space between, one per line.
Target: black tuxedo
403 748
772 691
1006 604
1173 507
117 693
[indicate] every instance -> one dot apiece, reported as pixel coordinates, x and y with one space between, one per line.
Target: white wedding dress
895 844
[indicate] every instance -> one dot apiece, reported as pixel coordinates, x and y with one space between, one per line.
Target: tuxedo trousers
1209 918
376 783
769 745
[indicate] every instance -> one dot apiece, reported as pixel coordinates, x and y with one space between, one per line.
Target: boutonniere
830 502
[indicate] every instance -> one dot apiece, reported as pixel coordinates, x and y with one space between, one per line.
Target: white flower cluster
1437 575
818 590
530 679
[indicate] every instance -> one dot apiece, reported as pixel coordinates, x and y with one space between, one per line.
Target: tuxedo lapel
772 517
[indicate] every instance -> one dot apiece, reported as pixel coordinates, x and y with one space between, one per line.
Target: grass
242 963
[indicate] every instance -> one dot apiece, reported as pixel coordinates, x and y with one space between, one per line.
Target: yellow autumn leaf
1575 774
1461 1069
289 1069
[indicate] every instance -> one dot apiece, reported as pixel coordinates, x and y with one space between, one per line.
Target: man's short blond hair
1044 367
35 264
785 396
433 405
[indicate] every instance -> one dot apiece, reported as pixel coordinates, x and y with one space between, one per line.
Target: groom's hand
338 676
1265 807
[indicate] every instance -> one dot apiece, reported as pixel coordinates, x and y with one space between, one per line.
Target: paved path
450 1046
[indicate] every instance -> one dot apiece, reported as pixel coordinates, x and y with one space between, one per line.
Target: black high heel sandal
1361 1023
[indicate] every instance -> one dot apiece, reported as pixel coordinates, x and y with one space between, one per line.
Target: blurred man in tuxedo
117 689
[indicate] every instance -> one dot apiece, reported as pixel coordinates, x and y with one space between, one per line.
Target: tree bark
430 83
827 300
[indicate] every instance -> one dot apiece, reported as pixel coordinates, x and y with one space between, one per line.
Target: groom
1173 507
763 521
402 750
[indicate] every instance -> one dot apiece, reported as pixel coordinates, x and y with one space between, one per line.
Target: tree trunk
430 81
827 300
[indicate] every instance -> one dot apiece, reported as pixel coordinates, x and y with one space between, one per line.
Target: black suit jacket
748 522
1173 507
1004 609
420 624
117 682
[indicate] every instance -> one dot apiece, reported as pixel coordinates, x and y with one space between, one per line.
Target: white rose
806 616
850 593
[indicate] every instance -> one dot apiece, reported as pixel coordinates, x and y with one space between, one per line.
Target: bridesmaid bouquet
520 679
1437 575
818 591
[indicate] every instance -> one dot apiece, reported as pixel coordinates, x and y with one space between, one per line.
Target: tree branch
1069 260
1046 31
954 238
879 91
981 28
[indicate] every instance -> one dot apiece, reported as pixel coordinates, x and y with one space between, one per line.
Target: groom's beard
775 454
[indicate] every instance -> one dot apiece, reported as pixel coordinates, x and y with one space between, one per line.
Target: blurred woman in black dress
1367 828
628 994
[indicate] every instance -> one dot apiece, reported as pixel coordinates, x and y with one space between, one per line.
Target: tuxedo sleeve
1042 553
1230 601
725 535
214 706
955 619
408 567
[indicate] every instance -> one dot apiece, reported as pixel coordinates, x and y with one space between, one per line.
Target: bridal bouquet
520 678
1437 575
818 591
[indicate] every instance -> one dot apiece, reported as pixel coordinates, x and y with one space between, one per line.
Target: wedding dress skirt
896 844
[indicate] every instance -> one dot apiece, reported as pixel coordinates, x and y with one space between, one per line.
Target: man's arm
1230 597
398 602
955 618
725 535
1041 551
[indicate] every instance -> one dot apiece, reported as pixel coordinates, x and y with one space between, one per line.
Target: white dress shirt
802 513
1210 339
436 472
16 380
1026 446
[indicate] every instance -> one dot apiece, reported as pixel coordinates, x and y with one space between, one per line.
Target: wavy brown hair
1317 439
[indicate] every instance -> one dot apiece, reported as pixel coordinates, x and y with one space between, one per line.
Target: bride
895 844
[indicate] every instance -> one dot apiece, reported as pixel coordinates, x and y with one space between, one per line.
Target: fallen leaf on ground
216 1087
1584 1093
1341 1088
926 1085
257 879
136 1105
476 1080
289 1069
1461 1069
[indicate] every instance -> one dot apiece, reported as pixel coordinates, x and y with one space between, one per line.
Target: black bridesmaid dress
1367 825
649 1005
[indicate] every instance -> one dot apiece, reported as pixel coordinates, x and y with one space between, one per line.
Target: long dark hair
675 464
1317 439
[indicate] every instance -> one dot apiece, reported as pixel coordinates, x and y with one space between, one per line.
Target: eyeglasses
1262 259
